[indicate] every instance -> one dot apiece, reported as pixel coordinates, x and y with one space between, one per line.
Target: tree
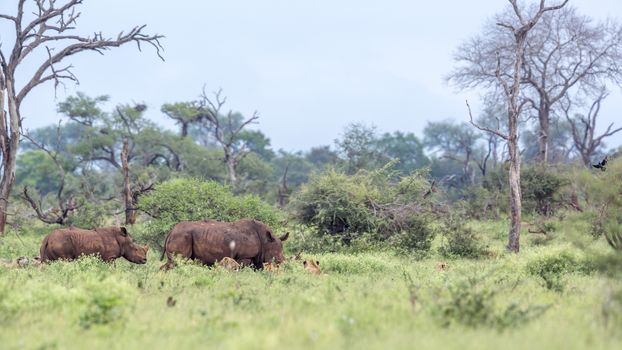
225 130
118 140
583 127
291 170
322 156
358 145
518 25
457 142
50 28
66 202
564 51
258 143
405 147
184 113
493 116
560 145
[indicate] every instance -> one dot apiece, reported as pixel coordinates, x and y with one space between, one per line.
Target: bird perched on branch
602 165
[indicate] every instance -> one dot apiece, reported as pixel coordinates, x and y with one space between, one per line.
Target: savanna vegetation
466 236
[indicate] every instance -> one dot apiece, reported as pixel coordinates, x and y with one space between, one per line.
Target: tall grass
369 300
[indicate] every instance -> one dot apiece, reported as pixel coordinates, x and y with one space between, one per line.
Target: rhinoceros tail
43 251
165 243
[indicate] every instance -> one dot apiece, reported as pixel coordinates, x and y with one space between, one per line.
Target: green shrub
541 189
336 203
460 240
484 203
542 192
416 237
377 203
92 215
191 199
107 303
472 302
551 269
603 194
611 309
308 240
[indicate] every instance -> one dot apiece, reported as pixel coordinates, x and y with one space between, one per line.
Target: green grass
362 300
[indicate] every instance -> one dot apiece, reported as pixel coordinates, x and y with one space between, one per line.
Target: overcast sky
308 67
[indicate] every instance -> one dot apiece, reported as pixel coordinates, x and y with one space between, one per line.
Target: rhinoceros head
273 248
130 250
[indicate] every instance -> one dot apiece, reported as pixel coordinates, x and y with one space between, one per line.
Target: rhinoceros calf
109 243
249 242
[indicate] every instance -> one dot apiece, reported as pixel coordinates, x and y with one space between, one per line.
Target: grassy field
547 297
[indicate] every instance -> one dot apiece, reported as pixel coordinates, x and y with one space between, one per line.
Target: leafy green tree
258 143
404 147
358 146
322 156
119 141
456 142
184 113
36 170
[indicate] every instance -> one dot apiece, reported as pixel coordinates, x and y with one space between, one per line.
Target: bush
472 303
603 194
541 189
191 199
417 236
551 268
107 303
542 192
378 203
611 309
483 203
336 203
460 240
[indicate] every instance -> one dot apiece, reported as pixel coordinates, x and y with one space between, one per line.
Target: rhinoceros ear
284 237
123 231
270 236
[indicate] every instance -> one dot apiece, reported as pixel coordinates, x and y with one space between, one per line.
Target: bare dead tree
584 127
511 88
284 191
66 204
482 163
50 28
565 51
225 131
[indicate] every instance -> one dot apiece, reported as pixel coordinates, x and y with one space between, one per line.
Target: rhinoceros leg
177 244
245 262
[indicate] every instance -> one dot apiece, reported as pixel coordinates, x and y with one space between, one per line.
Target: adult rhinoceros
249 242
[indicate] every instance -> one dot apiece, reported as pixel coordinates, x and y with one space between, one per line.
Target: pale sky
308 67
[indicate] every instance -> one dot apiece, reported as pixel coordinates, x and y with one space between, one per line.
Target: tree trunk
585 156
184 128
9 144
130 211
543 134
515 196
231 170
513 148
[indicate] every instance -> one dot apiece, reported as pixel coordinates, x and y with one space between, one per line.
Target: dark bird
602 165
171 302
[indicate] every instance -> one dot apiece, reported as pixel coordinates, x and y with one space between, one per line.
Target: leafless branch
482 128
227 139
